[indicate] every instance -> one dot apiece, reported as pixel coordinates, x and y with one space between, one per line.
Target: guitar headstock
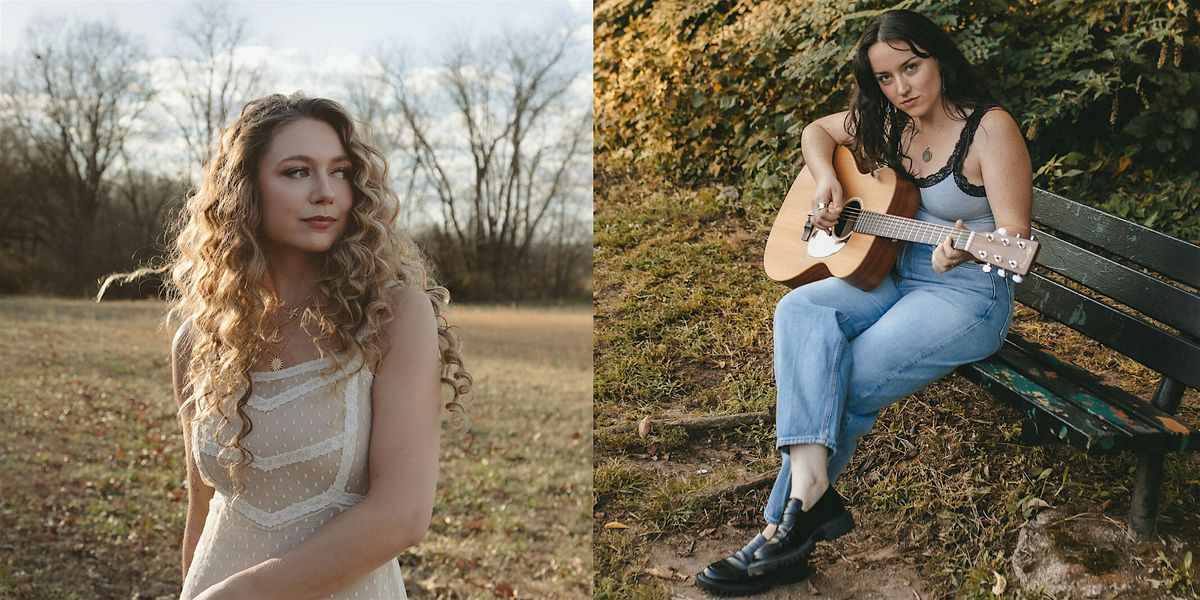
1007 254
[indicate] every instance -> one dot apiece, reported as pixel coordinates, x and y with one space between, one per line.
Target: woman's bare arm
199 493
403 458
817 142
1007 174
1007 177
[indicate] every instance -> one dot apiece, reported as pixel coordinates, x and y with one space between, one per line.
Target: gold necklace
276 336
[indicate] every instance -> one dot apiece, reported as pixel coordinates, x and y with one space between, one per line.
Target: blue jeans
843 354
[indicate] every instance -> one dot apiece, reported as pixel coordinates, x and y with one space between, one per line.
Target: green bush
719 90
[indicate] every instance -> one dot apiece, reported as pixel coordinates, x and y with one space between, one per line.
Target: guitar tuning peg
1000 273
986 268
1018 236
1017 278
1002 231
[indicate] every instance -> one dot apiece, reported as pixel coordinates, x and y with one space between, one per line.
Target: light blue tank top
947 195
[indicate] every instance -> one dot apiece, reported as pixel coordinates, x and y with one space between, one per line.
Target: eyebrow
902 65
305 158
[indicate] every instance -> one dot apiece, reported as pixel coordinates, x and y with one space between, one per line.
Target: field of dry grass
91 470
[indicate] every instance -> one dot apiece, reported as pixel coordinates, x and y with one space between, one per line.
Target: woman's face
304 182
912 83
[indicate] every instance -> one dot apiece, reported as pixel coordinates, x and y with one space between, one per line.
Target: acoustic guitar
866 240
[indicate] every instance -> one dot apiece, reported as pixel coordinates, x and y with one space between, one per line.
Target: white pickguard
821 244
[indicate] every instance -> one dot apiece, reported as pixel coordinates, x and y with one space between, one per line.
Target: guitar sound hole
849 216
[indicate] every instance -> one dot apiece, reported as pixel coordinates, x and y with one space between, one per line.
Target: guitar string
927 233
913 227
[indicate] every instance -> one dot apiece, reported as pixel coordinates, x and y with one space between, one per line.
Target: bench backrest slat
1174 258
1159 350
1154 298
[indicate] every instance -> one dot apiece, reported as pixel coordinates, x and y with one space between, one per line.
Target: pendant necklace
277 337
926 155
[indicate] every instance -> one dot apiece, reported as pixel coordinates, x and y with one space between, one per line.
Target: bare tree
75 99
214 82
368 99
518 149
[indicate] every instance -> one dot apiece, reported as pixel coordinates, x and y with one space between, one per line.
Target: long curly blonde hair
220 287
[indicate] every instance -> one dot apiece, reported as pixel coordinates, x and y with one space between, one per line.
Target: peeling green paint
1078 317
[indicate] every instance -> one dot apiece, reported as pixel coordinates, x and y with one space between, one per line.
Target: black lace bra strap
960 151
967 136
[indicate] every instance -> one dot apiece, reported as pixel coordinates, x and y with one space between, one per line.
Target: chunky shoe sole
828 531
756 585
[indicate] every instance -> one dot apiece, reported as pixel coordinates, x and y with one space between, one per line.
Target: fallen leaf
1037 503
1001 584
644 426
615 525
505 590
707 533
812 589
666 573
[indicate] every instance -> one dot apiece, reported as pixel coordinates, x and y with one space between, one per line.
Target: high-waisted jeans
843 354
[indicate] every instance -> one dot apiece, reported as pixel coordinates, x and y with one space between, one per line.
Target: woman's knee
797 303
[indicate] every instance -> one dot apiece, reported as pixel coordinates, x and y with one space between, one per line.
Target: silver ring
820 206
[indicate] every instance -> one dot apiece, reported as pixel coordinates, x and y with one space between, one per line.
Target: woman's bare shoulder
998 125
410 306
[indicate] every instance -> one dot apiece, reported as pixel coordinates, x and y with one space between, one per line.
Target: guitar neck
910 230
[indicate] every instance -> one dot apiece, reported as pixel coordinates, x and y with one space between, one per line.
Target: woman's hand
237 587
827 203
946 256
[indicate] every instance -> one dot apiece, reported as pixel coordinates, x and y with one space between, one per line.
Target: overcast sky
327 27
316 46
319 48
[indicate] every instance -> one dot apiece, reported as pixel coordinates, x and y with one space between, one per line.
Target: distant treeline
82 195
1107 92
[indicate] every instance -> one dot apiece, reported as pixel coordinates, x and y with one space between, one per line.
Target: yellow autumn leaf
615 525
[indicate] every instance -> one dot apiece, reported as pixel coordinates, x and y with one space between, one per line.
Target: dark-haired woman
842 354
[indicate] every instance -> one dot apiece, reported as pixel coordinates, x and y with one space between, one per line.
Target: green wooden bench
1158 326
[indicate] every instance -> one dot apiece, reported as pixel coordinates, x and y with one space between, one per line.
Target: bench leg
1147 484
1148 478
1032 435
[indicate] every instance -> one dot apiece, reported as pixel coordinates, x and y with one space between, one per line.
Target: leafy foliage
1107 92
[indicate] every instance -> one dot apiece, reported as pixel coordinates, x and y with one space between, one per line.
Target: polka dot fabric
310 439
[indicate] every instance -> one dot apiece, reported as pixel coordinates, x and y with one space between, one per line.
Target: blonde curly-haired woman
308 365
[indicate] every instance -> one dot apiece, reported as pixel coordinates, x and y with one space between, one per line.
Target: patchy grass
683 327
92 501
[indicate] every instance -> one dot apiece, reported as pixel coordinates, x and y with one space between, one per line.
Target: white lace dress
310 439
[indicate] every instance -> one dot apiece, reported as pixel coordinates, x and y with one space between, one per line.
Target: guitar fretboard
910 230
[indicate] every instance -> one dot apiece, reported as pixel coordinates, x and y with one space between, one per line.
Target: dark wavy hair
874 121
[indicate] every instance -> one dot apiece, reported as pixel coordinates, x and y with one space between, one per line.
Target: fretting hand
946 256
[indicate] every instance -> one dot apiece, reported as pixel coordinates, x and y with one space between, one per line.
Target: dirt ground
858 567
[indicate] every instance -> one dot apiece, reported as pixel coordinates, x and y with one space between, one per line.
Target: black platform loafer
799 531
728 576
